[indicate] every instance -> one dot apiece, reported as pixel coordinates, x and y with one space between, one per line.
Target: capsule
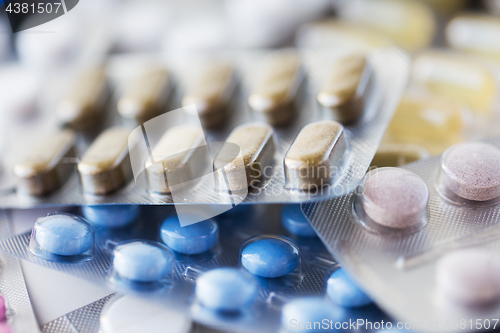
433 122
176 159
146 97
344 90
211 93
458 78
475 33
82 107
315 155
105 166
394 155
411 24
275 94
257 148
43 171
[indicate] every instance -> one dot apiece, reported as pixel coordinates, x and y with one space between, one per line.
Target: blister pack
432 225
247 124
256 267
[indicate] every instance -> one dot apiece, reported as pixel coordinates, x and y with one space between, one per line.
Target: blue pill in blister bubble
142 261
309 314
226 289
191 239
270 257
296 222
63 234
111 216
344 291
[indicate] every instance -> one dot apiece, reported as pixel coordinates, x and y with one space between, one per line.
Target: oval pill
472 170
469 276
315 155
294 220
226 289
275 94
309 310
256 144
105 166
395 198
63 234
111 216
270 257
343 291
191 239
142 262
42 170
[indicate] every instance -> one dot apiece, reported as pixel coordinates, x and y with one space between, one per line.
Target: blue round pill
111 216
310 314
63 234
270 257
296 222
142 261
191 239
344 291
226 289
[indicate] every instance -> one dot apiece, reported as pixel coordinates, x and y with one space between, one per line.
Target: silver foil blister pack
388 71
400 270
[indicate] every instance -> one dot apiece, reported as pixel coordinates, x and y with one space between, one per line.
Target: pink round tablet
470 276
395 198
472 170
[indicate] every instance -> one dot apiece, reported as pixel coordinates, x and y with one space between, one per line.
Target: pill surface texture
63 234
111 216
308 310
226 289
191 239
315 155
395 198
105 166
270 257
256 144
469 276
294 220
343 291
142 262
43 169
472 170
277 90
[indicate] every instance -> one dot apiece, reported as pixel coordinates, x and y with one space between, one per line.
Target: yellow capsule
410 23
337 33
432 122
475 33
458 78
397 154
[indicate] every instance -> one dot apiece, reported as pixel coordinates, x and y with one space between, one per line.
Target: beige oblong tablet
146 96
344 90
82 107
42 171
256 153
211 92
275 94
315 156
105 166
178 157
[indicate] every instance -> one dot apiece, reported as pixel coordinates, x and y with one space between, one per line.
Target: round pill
395 198
343 291
472 171
130 315
226 289
296 222
191 239
470 276
308 315
63 234
142 262
270 257
111 216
